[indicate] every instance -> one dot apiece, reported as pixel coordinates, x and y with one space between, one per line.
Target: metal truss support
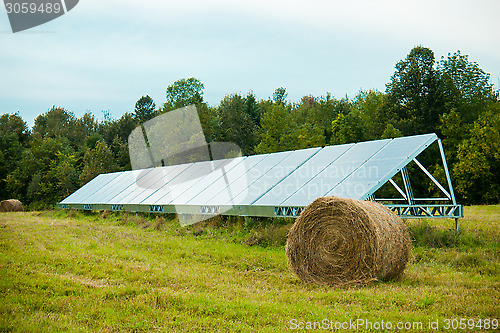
447 172
288 211
406 206
396 186
431 177
408 190
448 178
407 184
427 211
415 207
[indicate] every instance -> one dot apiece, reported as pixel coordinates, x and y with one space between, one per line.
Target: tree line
452 97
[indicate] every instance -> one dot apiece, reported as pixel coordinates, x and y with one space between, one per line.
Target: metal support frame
406 207
407 184
448 178
426 207
425 211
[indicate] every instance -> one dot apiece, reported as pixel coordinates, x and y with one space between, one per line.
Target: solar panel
381 167
117 186
240 190
149 195
144 180
236 177
263 185
303 175
90 188
335 173
212 181
269 174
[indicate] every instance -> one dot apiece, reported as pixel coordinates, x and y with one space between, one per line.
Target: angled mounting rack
277 184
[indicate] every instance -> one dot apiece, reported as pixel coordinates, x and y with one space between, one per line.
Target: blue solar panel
292 178
270 173
295 181
89 189
240 190
233 181
146 179
215 181
374 172
149 195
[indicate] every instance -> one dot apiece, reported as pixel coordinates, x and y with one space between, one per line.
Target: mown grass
105 272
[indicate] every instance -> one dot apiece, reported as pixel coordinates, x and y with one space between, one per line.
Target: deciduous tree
279 96
415 94
467 87
235 124
144 109
278 126
96 161
183 92
14 137
45 174
477 170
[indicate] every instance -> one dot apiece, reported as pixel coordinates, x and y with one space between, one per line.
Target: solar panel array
254 185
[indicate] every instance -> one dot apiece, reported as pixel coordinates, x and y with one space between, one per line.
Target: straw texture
337 241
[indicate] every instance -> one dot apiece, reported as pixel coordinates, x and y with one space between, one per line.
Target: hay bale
11 205
338 241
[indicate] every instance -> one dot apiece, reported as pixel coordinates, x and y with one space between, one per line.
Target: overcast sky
104 55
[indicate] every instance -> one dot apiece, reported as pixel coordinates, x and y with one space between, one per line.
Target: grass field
80 272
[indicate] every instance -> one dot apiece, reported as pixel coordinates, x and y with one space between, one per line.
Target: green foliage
370 107
477 170
236 124
121 154
55 122
121 128
414 93
14 137
144 109
346 129
454 131
14 125
319 112
209 121
308 136
96 161
58 122
278 128
390 132
183 92
467 88
252 108
279 96
92 140
10 154
46 173
285 127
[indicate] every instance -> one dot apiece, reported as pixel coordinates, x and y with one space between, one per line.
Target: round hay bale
11 205
337 241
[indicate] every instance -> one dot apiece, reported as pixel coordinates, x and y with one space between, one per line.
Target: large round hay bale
338 241
11 205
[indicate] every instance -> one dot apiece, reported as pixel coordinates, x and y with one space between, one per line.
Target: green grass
72 271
